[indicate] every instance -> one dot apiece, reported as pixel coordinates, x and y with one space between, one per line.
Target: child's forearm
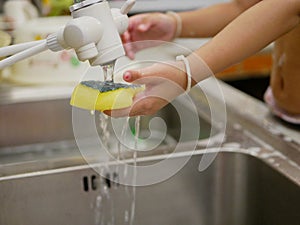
247 34
206 22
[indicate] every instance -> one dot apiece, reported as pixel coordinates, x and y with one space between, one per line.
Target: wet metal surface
254 179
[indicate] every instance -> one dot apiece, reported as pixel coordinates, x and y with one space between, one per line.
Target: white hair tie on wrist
178 23
187 70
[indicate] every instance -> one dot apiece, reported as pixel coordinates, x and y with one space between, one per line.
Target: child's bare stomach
285 76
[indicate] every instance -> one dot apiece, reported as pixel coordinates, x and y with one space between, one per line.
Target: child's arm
249 33
207 22
204 22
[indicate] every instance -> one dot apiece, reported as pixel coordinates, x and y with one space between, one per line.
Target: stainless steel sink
45 140
236 189
254 179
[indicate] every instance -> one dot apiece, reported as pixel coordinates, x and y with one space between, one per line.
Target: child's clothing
270 100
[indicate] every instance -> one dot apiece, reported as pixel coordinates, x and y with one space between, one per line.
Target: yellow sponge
107 95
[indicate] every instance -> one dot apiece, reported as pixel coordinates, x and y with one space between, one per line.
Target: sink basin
60 147
236 189
254 179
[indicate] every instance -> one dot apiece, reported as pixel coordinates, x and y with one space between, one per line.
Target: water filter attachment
94 34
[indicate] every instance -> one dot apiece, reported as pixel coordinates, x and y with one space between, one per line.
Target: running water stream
106 207
108 72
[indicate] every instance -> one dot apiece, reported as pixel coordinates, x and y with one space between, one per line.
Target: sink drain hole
85 184
94 182
107 180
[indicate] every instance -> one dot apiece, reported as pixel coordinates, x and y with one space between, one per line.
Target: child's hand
149 26
163 81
